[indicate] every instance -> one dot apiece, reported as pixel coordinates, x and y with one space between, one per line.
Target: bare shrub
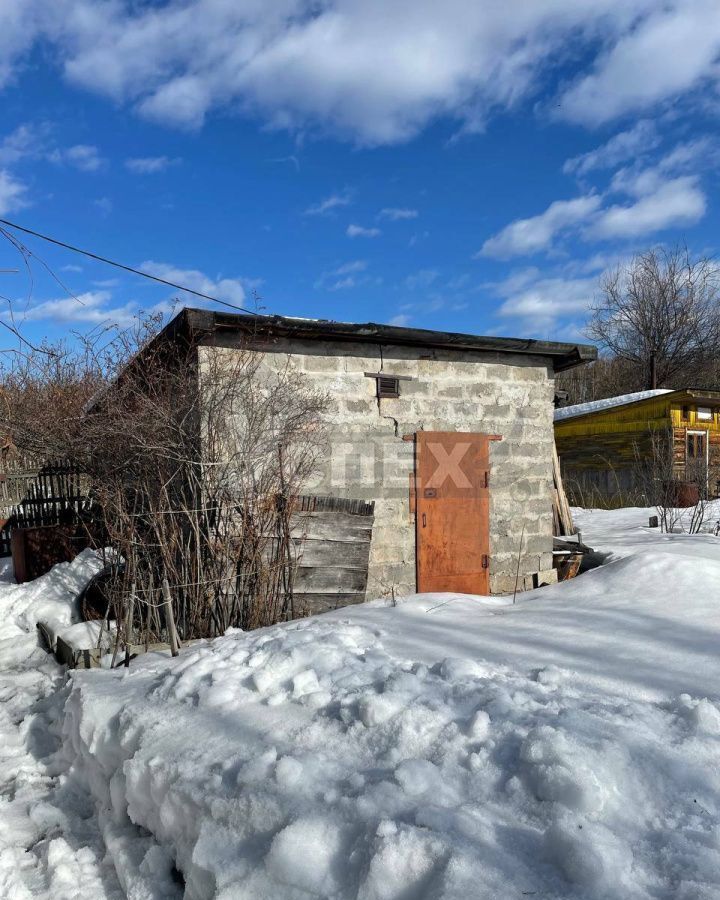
655 474
45 391
197 459
194 460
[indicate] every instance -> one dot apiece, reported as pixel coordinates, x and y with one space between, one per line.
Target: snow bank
580 409
52 598
442 748
50 846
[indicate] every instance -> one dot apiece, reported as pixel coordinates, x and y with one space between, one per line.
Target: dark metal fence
52 495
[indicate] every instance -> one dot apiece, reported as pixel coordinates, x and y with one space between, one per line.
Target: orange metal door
452 502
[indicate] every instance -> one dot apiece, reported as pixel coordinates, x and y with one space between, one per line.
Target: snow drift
444 747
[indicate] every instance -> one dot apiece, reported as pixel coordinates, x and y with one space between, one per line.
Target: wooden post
517 573
129 625
170 618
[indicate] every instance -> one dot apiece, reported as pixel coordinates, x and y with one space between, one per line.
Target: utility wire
118 265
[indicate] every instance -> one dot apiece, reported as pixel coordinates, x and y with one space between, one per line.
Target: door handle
485 562
424 520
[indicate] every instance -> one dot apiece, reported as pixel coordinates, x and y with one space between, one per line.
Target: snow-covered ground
50 844
442 747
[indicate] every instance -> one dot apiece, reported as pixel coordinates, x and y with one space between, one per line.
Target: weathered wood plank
562 517
317 603
331 526
354 554
330 580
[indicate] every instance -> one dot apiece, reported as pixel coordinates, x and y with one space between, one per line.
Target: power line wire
118 265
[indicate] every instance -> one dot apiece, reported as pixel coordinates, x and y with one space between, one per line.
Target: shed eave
563 355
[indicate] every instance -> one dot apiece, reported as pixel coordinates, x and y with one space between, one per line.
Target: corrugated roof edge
616 402
563 355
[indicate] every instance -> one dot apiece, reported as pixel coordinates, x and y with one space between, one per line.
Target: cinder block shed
443 441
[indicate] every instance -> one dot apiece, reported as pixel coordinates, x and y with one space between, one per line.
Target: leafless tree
660 314
608 376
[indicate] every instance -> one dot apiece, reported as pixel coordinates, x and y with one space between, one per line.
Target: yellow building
602 444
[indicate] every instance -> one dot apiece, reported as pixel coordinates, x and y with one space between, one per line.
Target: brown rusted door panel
452 500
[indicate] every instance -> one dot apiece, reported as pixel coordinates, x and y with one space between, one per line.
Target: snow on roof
580 409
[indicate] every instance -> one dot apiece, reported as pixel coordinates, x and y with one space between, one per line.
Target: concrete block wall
494 393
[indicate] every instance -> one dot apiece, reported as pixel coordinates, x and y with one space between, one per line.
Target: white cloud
344 277
396 214
639 139
665 194
84 157
149 165
526 236
20 27
357 265
183 101
689 157
35 140
104 205
12 193
354 231
666 54
229 289
537 302
352 66
679 201
416 238
27 141
548 298
329 204
90 308
596 263
99 306
401 320
423 279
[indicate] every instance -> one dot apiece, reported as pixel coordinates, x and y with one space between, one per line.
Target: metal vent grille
388 386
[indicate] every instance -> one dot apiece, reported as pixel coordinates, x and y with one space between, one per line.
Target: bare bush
656 478
194 460
197 461
44 392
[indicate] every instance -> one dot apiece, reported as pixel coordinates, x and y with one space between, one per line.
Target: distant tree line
656 322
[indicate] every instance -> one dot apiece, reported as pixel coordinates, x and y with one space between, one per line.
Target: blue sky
465 166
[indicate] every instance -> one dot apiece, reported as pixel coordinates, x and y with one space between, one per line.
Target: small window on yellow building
704 413
685 413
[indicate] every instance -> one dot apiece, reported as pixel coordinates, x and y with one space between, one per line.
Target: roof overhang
698 395
197 321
